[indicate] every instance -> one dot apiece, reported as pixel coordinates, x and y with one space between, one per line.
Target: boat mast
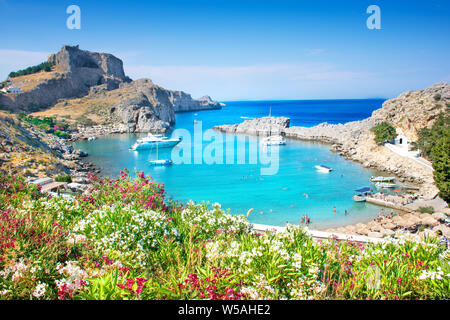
270 127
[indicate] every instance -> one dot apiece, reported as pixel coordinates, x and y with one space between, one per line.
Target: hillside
29 151
138 106
89 88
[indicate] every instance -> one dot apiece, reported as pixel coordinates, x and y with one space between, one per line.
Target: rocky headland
91 90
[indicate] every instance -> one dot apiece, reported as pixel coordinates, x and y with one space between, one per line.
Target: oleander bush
124 240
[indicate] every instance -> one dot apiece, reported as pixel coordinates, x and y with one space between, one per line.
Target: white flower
40 290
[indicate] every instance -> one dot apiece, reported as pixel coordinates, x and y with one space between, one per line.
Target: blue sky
245 50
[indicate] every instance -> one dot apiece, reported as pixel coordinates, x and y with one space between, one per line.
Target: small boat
323 168
382 179
195 121
385 185
362 194
162 162
273 140
155 140
92 138
166 162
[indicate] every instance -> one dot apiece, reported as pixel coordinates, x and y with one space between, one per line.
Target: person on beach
334 209
345 213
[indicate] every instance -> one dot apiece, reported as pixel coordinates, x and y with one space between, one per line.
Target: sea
230 175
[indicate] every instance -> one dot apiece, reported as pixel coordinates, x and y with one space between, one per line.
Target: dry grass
30 81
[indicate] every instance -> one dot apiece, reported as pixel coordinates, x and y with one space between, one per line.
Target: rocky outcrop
408 112
92 87
147 107
28 150
140 106
259 127
76 72
183 102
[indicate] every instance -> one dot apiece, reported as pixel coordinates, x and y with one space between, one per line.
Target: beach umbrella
341 230
396 190
387 232
376 227
430 221
362 230
405 223
373 234
424 216
389 225
372 224
439 216
414 219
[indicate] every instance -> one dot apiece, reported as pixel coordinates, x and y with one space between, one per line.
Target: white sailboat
157 162
273 140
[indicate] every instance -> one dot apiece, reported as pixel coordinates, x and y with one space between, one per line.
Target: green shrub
46 66
427 138
61 134
64 178
426 209
440 154
384 132
437 97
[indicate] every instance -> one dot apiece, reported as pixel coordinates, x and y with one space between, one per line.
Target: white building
401 145
401 141
13 89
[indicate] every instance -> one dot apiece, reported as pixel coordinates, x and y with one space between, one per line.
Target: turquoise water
277 198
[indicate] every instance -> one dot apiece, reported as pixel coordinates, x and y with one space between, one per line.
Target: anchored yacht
155 140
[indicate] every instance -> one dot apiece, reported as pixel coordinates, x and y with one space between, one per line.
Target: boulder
373 234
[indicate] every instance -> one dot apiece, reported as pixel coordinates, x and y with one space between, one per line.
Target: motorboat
382 179
155 140
362 194
385 185
323 168
165 162
273 140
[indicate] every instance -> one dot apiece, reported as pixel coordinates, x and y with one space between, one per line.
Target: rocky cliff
90 88
409 112
28 150
75 71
